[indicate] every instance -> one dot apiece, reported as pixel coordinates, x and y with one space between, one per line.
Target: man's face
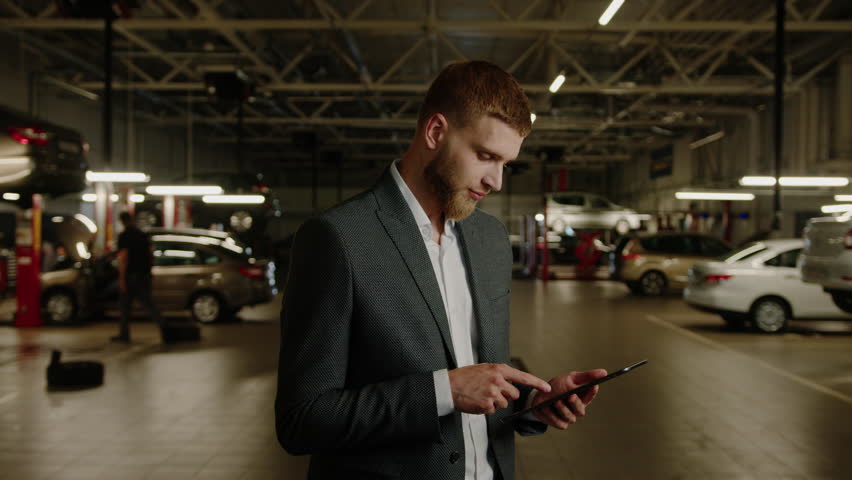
469 164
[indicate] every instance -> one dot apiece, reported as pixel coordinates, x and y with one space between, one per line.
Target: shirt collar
420 217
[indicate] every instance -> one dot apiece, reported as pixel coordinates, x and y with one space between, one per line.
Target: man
395 323
135 259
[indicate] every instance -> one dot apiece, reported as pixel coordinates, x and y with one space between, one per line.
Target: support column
28 252
843 110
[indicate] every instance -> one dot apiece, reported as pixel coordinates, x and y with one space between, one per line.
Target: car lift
28 253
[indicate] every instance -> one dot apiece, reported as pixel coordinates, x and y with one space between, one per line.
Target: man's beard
442 175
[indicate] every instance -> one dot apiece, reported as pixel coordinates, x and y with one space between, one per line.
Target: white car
760 284
827 257
580 210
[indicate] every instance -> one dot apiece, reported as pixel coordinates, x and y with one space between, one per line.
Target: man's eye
485 156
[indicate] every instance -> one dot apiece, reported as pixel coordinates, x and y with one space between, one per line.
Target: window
787 259
209 258
170 254
574 200
676 244
598 202
712 247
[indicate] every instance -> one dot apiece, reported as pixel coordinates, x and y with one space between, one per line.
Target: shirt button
455 457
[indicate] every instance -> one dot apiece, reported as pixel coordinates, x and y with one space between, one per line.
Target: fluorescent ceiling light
843 198
532 118
539 217
610 11
234 199
93 197
87 222
194 190
137 198
757 181
795 181
57 219
118 177
557 83
836 208
11 196
733 196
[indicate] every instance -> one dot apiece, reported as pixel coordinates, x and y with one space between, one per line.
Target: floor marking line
784 373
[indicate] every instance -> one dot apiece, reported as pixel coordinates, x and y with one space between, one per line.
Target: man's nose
494 179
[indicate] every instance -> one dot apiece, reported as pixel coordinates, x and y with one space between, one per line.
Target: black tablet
577 391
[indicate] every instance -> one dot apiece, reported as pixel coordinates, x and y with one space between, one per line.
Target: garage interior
306 102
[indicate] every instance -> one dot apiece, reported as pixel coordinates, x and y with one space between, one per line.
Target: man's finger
525 378
577 406
564 412
590 394
547 416
510 392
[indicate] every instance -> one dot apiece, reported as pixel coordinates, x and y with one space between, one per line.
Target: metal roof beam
744 86
416 27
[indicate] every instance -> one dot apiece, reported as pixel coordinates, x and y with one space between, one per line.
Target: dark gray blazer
363 327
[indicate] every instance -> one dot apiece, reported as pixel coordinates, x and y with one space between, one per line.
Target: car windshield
743 253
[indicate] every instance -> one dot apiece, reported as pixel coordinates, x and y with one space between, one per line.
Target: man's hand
485 387
566 411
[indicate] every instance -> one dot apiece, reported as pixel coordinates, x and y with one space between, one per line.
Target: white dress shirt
450 273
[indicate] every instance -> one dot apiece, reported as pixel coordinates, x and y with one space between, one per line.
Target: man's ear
435 131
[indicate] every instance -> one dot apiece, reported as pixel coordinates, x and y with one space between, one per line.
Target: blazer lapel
399 224
476 261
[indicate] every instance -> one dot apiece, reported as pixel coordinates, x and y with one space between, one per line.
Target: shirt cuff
443 393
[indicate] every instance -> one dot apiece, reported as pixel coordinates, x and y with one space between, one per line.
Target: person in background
135 259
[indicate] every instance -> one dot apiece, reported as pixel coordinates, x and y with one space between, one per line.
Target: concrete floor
710 403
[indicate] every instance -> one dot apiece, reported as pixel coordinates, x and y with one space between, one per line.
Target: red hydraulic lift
28 252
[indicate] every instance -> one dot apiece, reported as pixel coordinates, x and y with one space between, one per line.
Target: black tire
842 299
653 283
634 288
59 306
735 321
770 315
208 307
73 375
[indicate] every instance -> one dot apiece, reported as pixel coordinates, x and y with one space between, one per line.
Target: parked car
207 272
653 264
39 156
580 210
759 284
827 257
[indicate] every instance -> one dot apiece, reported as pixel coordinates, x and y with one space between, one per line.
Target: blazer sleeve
314 410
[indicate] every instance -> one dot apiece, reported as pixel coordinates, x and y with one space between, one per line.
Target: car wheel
59 307
207 307
842 299
734 321
622 227
634 287
558 226
770 315
653 283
